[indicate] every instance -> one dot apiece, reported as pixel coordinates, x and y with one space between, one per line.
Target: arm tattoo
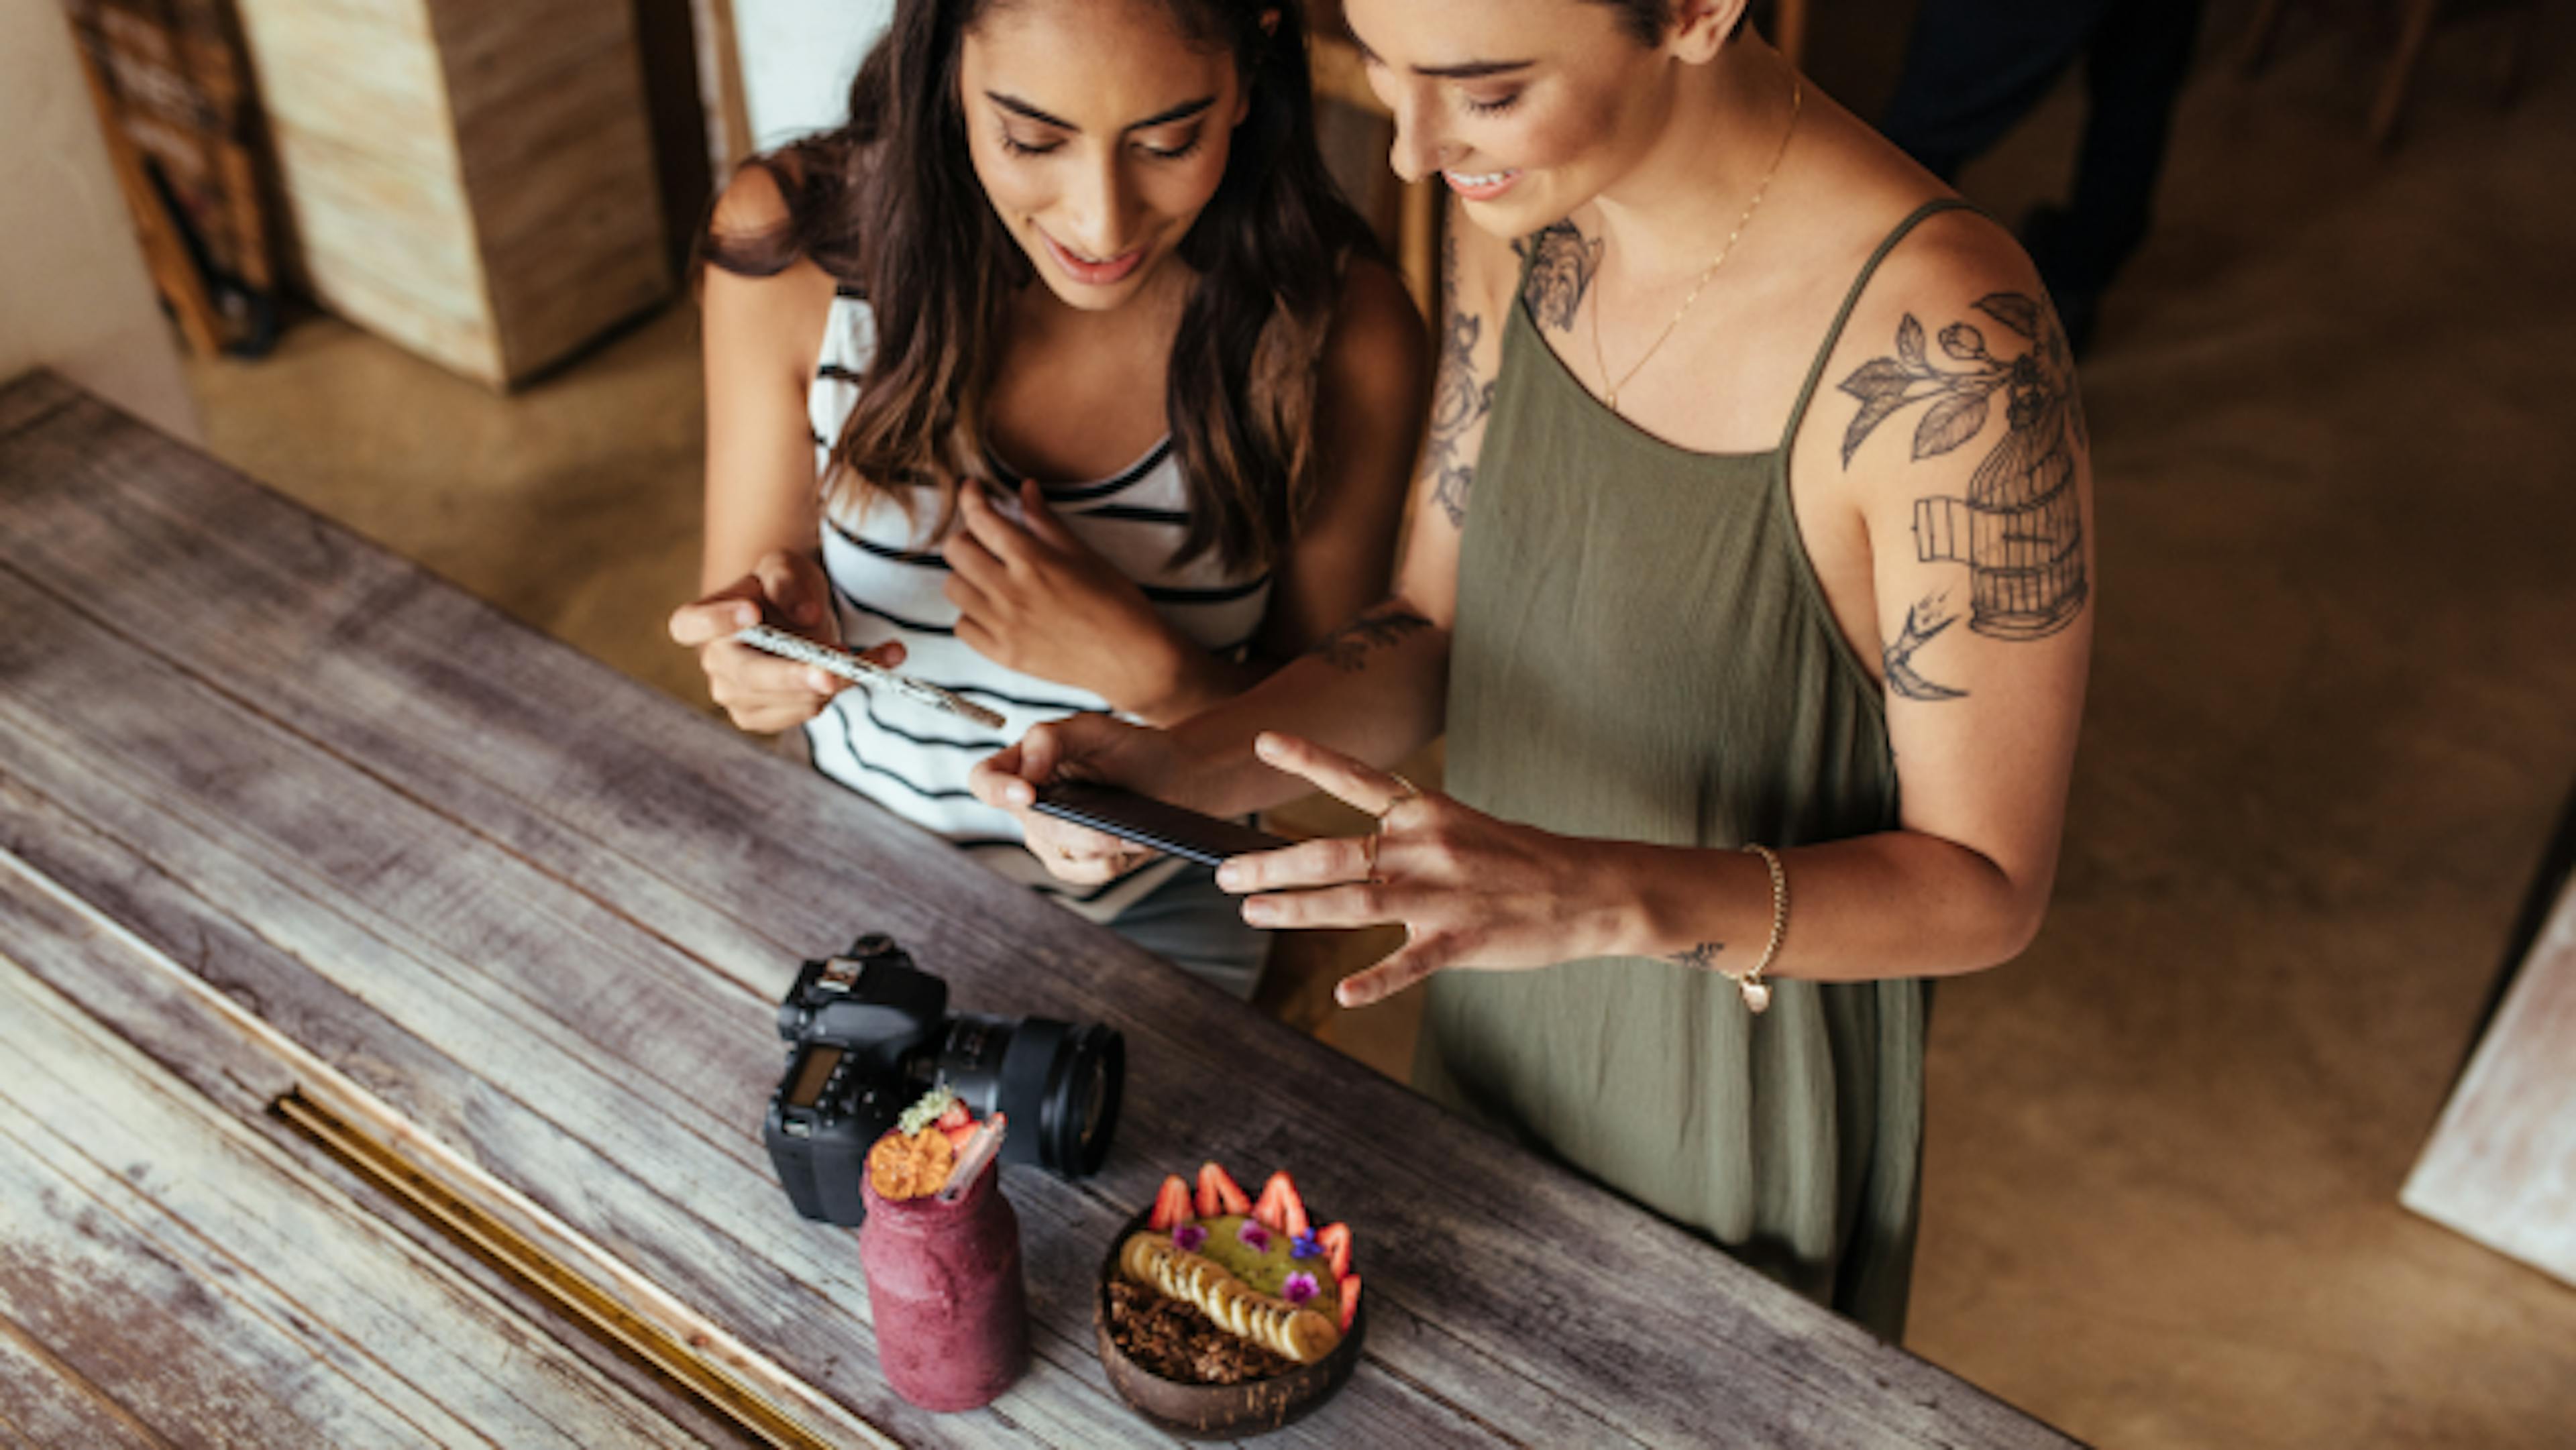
1923 621
1702 956
1561 264
2020 527
1458 397
1347 649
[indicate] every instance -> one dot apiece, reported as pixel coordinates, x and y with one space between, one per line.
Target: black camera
869 1033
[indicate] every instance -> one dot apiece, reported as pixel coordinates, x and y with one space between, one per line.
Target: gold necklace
1610 392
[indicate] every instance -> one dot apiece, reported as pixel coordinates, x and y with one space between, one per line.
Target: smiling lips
1088 272
1480 186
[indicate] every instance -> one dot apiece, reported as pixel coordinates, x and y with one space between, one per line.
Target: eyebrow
1464 71
1181 112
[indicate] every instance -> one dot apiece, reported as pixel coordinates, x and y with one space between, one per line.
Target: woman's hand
1470 890
1079 747
1034 598
761 692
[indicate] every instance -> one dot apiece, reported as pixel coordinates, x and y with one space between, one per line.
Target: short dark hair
1644 19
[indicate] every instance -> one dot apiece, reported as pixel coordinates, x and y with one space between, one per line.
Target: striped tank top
888 583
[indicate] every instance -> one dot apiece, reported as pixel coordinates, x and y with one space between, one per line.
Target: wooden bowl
1219 1412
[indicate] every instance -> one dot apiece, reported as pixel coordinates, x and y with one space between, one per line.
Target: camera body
869 1032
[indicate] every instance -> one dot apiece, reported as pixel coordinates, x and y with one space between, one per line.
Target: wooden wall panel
557 154
473 179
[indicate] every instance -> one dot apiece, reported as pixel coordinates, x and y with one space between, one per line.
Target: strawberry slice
1280 1208
1172 1205
1350 1291
955 1133
1336 1239
953 1117
1219 1193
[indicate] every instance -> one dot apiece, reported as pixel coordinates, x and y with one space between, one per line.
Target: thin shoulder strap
1851 299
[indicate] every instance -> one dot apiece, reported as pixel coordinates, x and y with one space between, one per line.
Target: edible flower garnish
1298 1289
1188 1236
1254 1236
925 1112
1304 1246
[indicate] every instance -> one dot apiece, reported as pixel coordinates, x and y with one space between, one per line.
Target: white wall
74 295
797 59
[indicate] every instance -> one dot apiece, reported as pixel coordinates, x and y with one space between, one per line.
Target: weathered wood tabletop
352 934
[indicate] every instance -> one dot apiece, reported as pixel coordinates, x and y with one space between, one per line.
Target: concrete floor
2334 712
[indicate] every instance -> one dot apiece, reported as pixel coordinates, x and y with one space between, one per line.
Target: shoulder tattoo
1926 619
1459 398
1561 264
2019 525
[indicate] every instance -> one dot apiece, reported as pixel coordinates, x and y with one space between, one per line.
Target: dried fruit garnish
910 1165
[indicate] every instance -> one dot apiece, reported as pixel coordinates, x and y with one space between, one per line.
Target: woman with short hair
1752 588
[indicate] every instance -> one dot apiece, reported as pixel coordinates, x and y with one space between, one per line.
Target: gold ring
1405 790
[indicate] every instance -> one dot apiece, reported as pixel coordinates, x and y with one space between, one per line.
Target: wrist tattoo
2019 528
1347 649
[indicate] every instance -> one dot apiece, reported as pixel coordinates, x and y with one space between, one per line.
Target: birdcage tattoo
2020 531
2020 526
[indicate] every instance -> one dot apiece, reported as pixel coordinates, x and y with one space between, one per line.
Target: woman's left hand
1470 890
1034 598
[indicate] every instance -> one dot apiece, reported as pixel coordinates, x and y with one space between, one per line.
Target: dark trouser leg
2140 58
1974 68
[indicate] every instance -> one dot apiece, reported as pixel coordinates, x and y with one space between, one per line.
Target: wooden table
385 1022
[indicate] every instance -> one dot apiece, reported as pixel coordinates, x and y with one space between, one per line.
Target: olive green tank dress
1643 653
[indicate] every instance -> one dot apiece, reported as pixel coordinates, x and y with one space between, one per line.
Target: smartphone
1148 822
861 671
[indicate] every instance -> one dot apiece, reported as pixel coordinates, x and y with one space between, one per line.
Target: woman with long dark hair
1062 375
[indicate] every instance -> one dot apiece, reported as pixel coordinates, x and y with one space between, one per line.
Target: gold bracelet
1757 993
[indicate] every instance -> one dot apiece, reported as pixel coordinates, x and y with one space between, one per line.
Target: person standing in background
1975 68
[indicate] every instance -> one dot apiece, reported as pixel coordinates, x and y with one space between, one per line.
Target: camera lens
1059 1083
1082 1102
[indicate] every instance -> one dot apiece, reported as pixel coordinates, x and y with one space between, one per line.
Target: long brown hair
890 206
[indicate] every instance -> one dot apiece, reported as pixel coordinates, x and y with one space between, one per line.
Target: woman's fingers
1043 751
1043 523
1416 961
741 677
964 589
1006 541
1362 787
1329 861
1347 905
1006 780
993 777
716 616
788 582
969 559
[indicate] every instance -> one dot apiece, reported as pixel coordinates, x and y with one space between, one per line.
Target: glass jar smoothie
945 1294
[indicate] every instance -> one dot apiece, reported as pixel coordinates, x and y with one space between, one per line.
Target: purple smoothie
944 1290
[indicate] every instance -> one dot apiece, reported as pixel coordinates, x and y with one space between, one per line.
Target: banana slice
1299 1333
